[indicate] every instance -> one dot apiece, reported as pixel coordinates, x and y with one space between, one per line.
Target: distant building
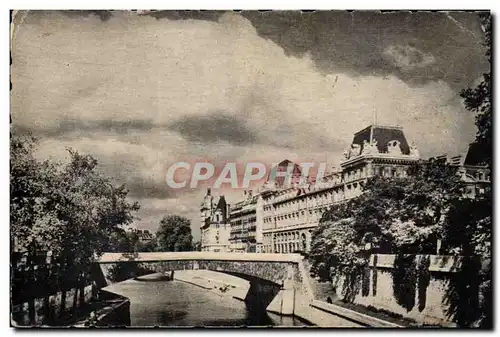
475 175
276 179
143 235
280 217
243 218
214 224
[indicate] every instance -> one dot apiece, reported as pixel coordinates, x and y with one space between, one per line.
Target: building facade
280 217
291 214
475 175
243 219
144 235
215 225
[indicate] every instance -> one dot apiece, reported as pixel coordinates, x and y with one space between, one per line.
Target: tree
393 215
33 226
469 224
468 227
197 246
72 209
148 246
427 193
334 245
119 242
468 233
174 234
476 229
478 100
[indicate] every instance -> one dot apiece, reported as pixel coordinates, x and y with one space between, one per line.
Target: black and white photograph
251 169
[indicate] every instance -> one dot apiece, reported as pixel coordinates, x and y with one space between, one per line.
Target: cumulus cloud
408 57
142 92
355 42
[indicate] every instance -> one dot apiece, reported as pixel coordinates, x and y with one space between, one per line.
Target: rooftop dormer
378 139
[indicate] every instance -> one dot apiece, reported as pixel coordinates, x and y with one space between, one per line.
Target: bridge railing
201 256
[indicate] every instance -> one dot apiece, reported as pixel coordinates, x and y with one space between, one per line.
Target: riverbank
113 311
226 286
219 283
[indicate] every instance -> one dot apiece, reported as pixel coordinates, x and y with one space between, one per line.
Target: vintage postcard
321 169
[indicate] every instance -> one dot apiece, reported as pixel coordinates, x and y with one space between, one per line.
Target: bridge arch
275 268
268 274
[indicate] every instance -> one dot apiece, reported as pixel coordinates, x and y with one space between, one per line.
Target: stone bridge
276 280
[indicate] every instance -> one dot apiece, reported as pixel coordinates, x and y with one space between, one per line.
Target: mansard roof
283 167
474 156
383 135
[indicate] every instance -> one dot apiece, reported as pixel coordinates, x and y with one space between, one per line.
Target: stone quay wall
413 287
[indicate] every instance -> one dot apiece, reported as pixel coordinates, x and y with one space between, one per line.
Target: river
175 303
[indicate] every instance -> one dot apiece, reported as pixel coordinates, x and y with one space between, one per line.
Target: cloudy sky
142 91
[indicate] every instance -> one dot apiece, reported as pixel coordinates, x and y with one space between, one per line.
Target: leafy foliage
334 246
393 215
128 241
119 242
408 215
148 246
174 234
197 246
72 209
404 283
479 99
468 231
468 227
462 294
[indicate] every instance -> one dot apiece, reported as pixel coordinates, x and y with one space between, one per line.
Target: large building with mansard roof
291 214
281 219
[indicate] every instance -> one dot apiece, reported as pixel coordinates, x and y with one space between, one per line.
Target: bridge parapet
274 268
198 256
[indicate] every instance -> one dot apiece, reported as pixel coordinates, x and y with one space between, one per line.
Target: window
303 241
